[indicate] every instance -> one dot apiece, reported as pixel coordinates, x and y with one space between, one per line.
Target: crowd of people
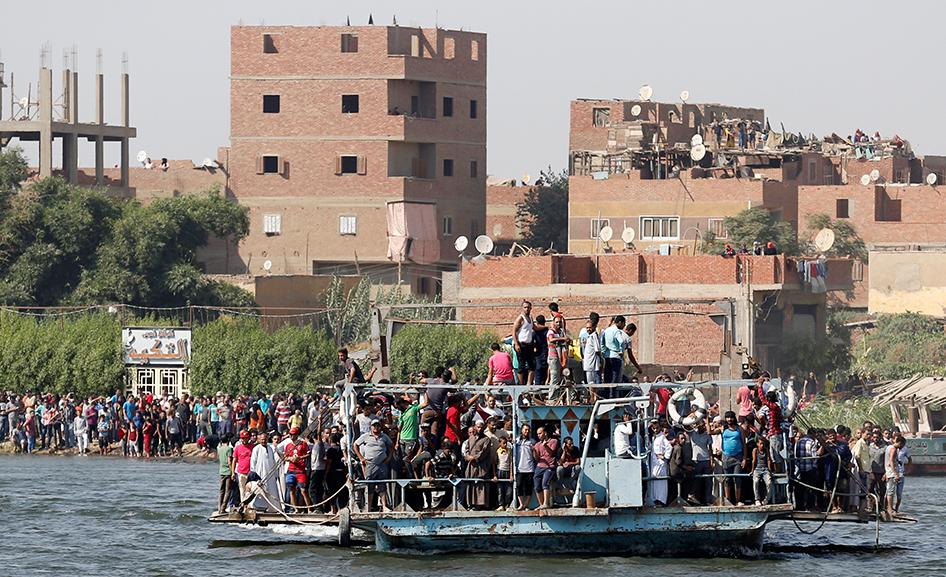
291 452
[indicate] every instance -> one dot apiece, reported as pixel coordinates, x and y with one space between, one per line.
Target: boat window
601 439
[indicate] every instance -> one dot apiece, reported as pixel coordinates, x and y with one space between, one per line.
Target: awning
918 388
412 232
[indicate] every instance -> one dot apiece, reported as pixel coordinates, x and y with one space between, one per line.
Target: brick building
703 310
501 205
331 126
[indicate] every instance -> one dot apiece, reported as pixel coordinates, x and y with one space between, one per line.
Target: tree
543 212
418 347
903 345
61 244
847 243
14 169
754 225
828 354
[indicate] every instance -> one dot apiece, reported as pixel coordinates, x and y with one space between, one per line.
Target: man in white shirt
591 353
625 437
659 458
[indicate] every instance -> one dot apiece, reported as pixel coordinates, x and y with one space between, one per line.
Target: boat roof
918 388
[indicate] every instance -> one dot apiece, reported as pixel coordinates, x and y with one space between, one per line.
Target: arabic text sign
156 346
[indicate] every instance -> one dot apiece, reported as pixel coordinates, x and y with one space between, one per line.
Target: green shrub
425 347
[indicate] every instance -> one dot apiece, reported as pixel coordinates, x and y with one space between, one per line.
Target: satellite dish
526 178
646 92
696 139
461 243
142 156
606 233
685 95
636 110
24 102
865 179
267 265
627 235
208 163
824 240
483 244
875 175
931 178
698 152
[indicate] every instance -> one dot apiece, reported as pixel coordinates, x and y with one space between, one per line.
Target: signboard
156 346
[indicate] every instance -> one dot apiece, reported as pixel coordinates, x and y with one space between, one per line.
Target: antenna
695 140
865 179
646 92
208 163
931 179
824 240
697 152
627 235
874 175
142 157
636 110
526 178
98 61
685 95
461 243
124 63
267 265
483 244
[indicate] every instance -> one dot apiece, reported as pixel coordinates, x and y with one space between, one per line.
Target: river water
107 516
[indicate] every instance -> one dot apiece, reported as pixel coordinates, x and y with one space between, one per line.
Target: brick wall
574 269
501 203
619 268
684 269
514 271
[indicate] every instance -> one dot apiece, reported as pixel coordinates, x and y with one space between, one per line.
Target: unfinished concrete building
46 115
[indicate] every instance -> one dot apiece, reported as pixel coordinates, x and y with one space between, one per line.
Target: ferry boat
918 407
606 513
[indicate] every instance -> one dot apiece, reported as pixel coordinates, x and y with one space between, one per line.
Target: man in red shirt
456 407
241 461
297 455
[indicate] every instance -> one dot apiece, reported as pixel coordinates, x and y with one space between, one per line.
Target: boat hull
733 532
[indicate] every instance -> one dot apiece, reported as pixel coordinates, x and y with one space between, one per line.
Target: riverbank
191 453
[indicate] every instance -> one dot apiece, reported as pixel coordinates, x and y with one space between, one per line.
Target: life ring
699 401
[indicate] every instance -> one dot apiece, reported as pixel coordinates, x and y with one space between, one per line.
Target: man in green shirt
408 428
225 456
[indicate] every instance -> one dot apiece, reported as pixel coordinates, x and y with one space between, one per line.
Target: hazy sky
816 66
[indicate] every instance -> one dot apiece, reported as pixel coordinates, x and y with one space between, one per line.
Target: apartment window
270 164
842 208
474 169
448 106
348 164
829 176
447 226
717 227
601 116
349 43
449 48
271 103
660 227
269 44
348 225
448 167
474 50
597 224
473 110
349 103
272 224
812 170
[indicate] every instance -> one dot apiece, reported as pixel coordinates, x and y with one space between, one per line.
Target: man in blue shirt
734 458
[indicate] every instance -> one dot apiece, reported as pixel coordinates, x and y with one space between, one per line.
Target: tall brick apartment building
342 137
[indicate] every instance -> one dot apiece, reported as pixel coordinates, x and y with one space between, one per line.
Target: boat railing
454 484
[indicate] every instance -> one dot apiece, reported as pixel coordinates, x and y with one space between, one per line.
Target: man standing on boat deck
523 333
626 441
660 454
374 450
525 467
591 352
297 455
546 464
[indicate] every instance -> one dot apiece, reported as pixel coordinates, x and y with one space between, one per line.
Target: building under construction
41 114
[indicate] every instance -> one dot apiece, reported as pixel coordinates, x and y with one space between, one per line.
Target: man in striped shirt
283 412
807 451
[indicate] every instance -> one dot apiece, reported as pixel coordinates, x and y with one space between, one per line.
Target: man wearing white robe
262 462
659 457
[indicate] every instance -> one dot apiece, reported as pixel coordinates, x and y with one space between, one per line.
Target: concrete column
646 335
126 151
100 120
70 142
46 120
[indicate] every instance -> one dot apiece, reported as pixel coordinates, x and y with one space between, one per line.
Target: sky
817 66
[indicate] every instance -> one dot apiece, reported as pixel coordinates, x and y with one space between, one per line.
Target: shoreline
191 454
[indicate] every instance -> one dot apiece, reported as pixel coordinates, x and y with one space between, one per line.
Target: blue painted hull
678 532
